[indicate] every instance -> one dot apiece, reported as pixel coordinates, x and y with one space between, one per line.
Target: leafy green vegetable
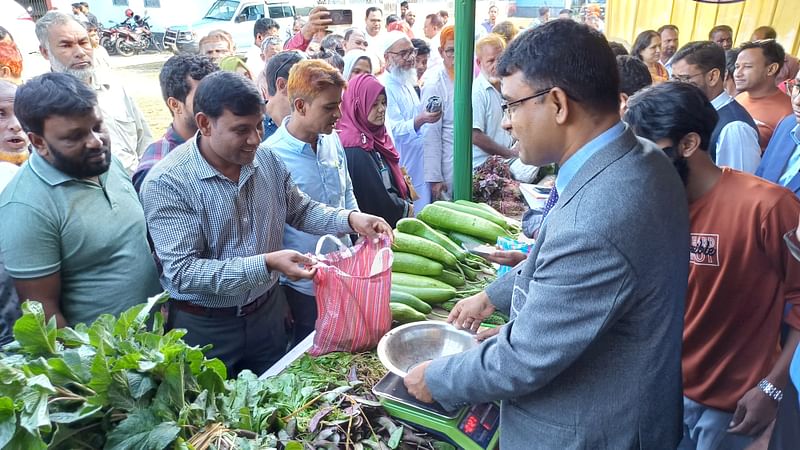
118 384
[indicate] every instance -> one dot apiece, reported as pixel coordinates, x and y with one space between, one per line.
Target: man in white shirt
734 142
372 25
669 45
433 26
488 135
438 137
263 28
405 113
65 43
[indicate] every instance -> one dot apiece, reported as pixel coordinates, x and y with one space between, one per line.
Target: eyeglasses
405 54
792 88
360 42
686 78
449 52
509 107
272 40
295 57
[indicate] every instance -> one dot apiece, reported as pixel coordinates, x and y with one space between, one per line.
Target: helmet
129 12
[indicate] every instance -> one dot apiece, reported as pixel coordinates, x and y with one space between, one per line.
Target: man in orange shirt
757 66
741 276
791 65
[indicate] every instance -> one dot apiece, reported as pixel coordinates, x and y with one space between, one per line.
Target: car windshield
222 10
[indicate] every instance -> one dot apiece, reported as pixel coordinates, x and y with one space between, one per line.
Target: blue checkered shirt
211 233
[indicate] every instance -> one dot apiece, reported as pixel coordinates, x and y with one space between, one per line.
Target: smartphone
341 16
434 104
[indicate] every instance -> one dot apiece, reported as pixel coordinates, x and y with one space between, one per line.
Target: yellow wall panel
683 16
627 18
730 15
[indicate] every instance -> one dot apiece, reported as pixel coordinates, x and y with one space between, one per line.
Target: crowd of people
660 150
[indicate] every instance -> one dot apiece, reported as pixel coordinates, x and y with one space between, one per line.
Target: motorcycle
108 38
135 37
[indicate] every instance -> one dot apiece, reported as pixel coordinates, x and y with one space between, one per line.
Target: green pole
462 132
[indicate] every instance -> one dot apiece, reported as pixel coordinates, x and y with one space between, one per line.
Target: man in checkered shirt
215 209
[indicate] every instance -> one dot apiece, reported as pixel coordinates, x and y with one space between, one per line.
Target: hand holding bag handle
377 264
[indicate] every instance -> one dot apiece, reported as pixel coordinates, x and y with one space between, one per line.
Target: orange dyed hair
309 77
448 34
11 57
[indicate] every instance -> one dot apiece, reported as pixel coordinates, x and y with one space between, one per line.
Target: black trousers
304 313
254 342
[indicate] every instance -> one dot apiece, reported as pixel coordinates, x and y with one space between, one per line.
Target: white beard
85 75
407 77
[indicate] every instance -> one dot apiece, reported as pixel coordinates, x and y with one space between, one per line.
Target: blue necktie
551 201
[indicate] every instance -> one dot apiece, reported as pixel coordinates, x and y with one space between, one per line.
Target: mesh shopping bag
352 286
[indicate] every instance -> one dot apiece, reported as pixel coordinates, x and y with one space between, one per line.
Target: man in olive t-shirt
72 231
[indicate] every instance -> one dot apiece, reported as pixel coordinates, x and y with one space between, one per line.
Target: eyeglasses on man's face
449 52
509 107
686 78
405 54
792 87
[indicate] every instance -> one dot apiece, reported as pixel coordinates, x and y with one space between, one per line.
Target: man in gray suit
591 357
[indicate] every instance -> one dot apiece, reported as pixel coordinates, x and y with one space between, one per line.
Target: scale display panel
471 428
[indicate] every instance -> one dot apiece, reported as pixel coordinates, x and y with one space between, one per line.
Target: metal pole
462 117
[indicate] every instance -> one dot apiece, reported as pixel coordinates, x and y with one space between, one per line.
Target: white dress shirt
737 145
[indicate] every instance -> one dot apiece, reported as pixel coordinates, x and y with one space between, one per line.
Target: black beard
682 166
80 168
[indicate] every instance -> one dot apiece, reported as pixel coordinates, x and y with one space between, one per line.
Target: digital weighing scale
471 428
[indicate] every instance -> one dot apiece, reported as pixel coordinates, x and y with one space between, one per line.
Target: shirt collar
173 137
290 142
794 136
98 84
52 176
577 160
47 172
206 170
721 100
484 83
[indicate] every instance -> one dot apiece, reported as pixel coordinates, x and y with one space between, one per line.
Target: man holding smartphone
406 115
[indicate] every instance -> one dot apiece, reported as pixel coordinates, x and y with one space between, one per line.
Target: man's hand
369 225
426 117
318 20
487 333
506 257
754 412
415 383
470 312
437 189
289 262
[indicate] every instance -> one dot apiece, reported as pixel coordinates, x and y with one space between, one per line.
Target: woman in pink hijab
379 184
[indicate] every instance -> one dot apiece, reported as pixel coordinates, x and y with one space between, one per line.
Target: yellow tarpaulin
627 18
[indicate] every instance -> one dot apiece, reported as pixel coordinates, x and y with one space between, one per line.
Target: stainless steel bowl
411 344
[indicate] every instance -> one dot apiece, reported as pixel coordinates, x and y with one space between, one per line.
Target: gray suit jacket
591 357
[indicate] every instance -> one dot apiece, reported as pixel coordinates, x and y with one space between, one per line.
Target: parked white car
234 16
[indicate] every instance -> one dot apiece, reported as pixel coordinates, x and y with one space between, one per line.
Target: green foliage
119 384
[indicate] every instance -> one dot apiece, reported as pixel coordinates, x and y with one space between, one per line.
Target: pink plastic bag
352 287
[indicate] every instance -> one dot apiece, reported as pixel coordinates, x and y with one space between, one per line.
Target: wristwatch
770 390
